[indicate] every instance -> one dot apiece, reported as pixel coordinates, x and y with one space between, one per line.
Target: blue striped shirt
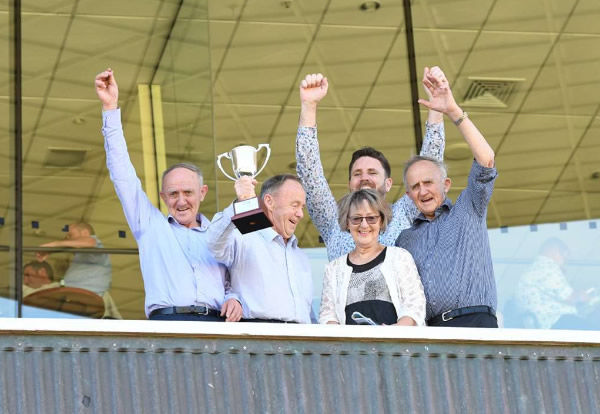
452 251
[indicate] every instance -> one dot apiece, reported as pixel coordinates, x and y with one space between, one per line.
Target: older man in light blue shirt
181 278
268 270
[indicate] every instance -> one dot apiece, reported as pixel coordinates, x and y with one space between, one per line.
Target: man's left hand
232 310
438 91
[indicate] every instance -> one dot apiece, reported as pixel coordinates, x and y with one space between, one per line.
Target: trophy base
250 221
249 216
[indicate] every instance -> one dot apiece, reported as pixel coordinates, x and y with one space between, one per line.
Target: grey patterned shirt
452 251
322 205
368 285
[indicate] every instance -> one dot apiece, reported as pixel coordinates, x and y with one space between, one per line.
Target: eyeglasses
356 220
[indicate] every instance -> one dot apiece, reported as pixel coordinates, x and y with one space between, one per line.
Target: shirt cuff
232 295
482 173
111 118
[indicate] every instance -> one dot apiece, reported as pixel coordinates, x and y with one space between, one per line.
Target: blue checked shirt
177 267
321 203
452 251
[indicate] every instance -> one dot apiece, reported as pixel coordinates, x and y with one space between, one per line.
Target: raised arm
434 141
136 205
223 239
319 199
443 101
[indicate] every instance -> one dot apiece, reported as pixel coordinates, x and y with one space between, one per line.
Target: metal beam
412 70
17 155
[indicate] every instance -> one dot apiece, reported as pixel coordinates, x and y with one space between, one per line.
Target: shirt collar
269 234
445 206
204 222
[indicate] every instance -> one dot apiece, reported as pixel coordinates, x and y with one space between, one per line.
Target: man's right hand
107 89
244 188
313 88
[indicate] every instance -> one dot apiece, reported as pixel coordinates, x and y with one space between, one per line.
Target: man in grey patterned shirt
450 242
368 168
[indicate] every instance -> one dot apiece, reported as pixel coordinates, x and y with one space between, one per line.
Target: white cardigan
401 277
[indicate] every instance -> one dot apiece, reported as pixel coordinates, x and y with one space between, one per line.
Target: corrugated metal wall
103 374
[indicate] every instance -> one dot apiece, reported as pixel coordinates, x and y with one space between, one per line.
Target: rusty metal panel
67 373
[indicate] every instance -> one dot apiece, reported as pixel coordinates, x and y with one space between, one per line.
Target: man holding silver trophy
254 237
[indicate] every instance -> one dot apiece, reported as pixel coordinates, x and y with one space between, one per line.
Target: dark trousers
265 320
187 317
473 320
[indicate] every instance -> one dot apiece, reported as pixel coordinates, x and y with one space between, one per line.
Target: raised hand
438 91
313 88
107 89
244 188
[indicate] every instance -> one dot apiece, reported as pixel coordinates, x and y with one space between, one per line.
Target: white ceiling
256 51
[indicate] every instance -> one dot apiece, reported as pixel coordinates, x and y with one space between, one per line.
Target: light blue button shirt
272 277
177 267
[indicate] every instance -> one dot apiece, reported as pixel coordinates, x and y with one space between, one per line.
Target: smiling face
367 172
285 207
182 193
426 187
364 234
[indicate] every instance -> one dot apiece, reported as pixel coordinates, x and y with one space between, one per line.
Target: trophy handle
228 156
266 158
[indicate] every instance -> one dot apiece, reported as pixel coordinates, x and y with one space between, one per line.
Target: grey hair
187 166
416 158
273 184
373 198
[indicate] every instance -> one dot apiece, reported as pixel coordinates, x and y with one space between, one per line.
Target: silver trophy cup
244 160
249 215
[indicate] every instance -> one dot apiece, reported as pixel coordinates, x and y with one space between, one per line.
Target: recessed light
370 6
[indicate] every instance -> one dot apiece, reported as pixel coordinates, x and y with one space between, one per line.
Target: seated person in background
38 276
380 282
268 270
450 242
91 271
545 292
368 168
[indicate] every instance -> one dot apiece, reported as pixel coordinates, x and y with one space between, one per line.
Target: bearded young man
368 168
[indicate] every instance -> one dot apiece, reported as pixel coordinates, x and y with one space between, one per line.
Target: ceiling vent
64 158
490 92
